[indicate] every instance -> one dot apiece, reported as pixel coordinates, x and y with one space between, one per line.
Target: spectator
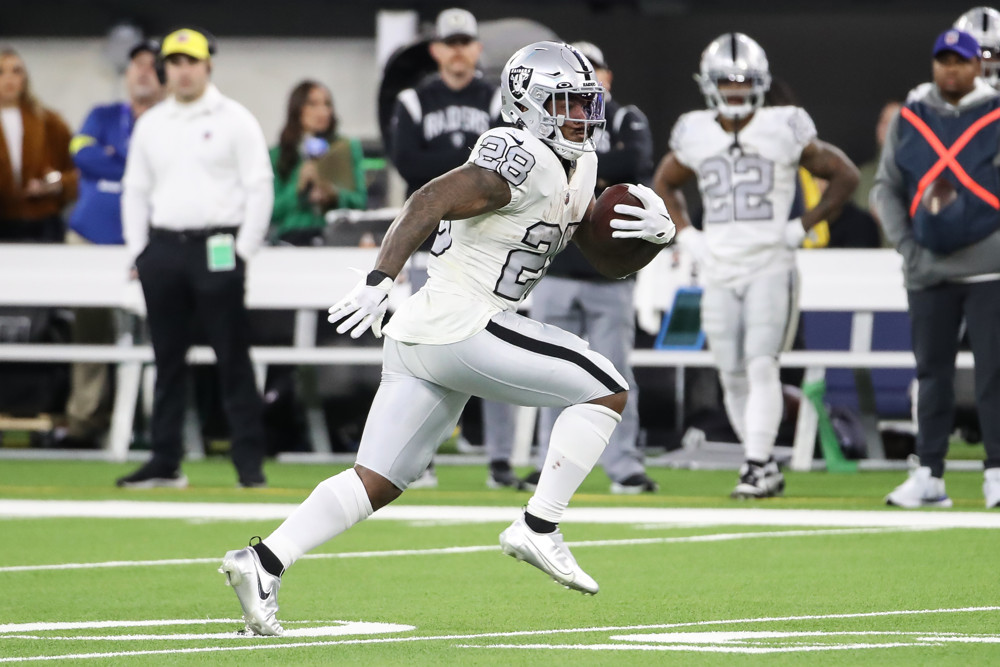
867 170
434 126
196 201
578 299
315 169
37 176
948 232
99 151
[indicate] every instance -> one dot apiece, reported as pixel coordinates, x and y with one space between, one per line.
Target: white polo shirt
197 165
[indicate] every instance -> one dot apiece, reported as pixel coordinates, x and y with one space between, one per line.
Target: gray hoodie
923 268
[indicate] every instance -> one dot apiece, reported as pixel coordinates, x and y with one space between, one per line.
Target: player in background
745 158
523 194
983 23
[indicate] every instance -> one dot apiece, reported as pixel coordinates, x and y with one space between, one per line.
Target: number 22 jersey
489 263
747 185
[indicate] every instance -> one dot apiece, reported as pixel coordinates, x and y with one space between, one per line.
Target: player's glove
692 242
795 233
653 223
365 306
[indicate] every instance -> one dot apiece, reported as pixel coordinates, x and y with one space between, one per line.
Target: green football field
824 576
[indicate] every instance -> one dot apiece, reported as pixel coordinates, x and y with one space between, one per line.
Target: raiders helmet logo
518 81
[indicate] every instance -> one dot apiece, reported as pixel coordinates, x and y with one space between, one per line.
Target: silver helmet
737 58
536 78
983 23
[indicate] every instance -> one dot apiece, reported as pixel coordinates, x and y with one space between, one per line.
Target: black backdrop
842 59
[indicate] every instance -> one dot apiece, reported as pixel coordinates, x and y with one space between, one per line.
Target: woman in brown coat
37 176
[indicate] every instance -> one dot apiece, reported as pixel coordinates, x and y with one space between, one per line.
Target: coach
936 196
196 202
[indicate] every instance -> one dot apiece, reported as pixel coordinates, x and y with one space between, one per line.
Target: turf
453 599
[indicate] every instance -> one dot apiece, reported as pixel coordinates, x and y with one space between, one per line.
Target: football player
524 193
745 158
983 23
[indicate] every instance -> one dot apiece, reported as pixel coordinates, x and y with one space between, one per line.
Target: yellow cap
189 42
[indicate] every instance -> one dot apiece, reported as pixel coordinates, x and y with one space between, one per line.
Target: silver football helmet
983 23
539 76
737 58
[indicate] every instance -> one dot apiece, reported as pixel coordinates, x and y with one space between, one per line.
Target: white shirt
747 191
196 165
489 263
13 134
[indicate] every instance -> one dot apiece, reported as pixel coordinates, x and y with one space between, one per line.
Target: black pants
179 290
936 317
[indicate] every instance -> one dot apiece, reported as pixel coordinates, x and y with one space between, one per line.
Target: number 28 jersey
747 189
489 263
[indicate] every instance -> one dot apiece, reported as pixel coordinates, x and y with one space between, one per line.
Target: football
938 194
604 213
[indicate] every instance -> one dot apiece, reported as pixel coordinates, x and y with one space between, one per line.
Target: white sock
335 505
735 392
579 437
764 407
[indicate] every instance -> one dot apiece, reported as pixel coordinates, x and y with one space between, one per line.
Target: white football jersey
747 189
489 263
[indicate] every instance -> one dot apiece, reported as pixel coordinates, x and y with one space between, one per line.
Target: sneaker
502 477
759 481
256 589
920 489
531 481
634 485
427 480
991 487
549 553
152 475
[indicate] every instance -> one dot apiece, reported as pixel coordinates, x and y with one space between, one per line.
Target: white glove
365 306
653 223
692 242
795 233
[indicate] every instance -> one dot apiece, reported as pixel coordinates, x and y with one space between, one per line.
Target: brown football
604 213
938 194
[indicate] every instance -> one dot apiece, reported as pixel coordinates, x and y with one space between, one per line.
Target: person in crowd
99 150
197 196
867 170
941 216
746 158
433 127
37 175
578 299
315 169
523 193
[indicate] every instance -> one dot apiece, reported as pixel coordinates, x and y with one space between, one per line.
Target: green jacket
289 213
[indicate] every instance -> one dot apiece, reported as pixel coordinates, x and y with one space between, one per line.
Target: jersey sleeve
504 151
803 129
680 139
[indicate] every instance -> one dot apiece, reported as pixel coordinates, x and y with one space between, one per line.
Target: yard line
676 516
439 551
258 645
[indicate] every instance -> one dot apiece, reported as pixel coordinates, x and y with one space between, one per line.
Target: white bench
311 279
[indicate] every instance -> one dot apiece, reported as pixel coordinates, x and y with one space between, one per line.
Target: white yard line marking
751 516
716 537
264 643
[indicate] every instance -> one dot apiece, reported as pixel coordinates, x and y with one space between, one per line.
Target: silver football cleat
256 589
549 553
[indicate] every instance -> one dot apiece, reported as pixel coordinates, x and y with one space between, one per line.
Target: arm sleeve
888 196
357 197
630 159
59 136
415 163
89 150
257 179
137 186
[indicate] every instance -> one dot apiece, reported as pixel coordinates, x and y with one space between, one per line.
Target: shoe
531 481
634 485
502 477
759 481
549 553
991 487
427 480
153 475
256 589
920 489
257 481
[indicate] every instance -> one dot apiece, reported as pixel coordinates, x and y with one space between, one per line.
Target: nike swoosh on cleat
260 591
